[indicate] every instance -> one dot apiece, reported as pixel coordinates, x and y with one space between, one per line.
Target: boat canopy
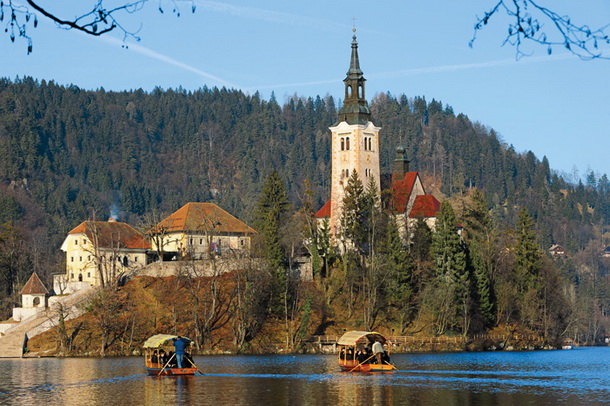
361 337
161 339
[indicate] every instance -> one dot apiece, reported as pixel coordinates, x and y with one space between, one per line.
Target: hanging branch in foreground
19 18
528 20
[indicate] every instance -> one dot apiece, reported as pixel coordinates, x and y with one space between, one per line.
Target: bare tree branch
529 22
99 20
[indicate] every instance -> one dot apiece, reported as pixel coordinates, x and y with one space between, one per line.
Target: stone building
355 147
197 230
99 252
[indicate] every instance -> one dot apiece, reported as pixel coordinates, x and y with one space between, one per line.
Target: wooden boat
160 364
353 356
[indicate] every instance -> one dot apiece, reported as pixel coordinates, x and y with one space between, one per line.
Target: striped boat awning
161 339
361 337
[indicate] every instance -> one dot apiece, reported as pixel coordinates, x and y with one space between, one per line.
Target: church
355 147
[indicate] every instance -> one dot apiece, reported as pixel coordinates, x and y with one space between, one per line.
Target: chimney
401 163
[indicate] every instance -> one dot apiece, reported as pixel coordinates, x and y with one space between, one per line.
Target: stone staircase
15 339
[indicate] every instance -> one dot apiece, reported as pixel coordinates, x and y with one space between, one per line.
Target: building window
71 259
72 275
342 144
76 242
135 259
201 241
80 259
370 144
88 274
80 277
88 257
347 173
347 143
36 301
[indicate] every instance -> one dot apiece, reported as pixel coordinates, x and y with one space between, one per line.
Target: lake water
569 377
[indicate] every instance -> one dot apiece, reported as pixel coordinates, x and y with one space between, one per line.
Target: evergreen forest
68 155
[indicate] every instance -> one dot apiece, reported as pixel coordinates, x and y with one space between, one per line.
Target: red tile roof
34 286
426 206
402 189
112 234
202 217
324 212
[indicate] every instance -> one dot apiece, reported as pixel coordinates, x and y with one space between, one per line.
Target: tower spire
355 109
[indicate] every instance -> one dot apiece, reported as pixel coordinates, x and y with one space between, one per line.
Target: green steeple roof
355 109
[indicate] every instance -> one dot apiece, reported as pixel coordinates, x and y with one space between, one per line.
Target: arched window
36 301
370 144
342 144
347 143
349 91
125 261
347 173
360 95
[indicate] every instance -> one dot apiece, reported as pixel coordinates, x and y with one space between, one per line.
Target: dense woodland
67 155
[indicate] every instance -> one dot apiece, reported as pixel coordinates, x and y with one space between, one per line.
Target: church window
360 95
349 91
347 143
36 301
347 173
342 144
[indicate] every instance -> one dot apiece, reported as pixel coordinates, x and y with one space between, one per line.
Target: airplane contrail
164 58
418 71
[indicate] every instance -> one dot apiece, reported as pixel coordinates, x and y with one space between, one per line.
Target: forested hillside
68 154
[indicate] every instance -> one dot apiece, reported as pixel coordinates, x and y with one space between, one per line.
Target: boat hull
367 367
171 371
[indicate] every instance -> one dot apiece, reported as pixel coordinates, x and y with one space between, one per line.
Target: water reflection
575 377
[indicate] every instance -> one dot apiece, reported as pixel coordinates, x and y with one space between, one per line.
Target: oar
392 365
352 370
168 361
194 366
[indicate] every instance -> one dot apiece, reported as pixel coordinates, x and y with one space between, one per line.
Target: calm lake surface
570 377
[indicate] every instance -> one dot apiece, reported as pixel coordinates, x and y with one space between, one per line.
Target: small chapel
355 147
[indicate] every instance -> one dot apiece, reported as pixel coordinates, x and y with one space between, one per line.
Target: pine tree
451 274
482 238
528 266
353 217
528 259
400 268
271 214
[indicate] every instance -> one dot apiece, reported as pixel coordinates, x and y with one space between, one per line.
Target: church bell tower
355 140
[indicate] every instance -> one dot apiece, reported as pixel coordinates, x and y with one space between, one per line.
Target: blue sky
555 105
